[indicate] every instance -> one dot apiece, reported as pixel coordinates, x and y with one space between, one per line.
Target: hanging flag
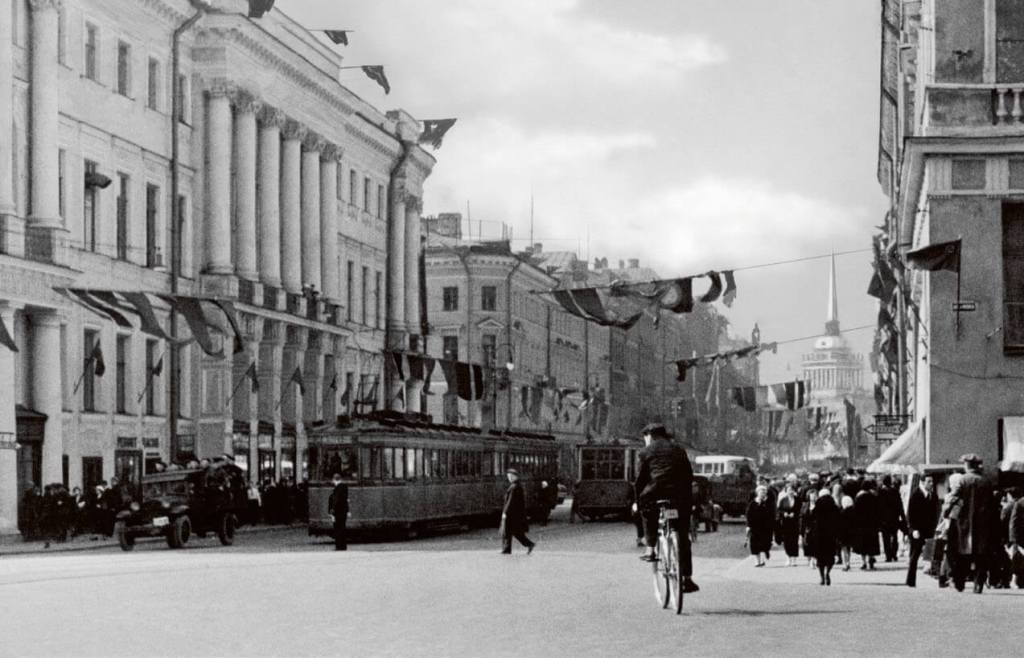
586 303
296 378
935 257
371 396
254 381
729 296
396 358
339 37
158 367
415 362
376 73
141 305
345 398
780 394
401 396
428 373
434 131
259 7
716 287
334 382
90 302
229 312
524 401
5 338
478 381
191 309
450 379
579 417
96 358
464 380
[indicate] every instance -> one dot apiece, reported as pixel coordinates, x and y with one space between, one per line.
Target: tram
406 476
605 475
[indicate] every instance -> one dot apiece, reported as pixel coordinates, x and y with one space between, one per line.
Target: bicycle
668 576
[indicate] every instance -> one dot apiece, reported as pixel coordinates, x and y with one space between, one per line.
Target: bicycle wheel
674 572
661 588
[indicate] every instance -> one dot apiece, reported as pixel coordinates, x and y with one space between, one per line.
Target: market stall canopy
1013 444
905 453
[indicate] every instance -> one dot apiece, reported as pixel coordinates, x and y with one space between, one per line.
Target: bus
732 479
405 476
721 464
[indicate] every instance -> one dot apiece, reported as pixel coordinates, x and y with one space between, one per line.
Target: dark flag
935 257
254 382
296 378
259 7
334 382
434 131
428 374
5 338
396 358
376 73
344 398
401 396
96 357
158 367
716 288
339 37
191 309
729 296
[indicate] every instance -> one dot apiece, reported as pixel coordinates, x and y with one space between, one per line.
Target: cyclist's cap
512 471
654 429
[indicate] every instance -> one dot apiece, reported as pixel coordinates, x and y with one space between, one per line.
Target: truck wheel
179 533
124 538
226 530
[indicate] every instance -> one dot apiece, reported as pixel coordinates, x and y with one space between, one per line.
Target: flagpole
959 266
235 390
81 378
149 379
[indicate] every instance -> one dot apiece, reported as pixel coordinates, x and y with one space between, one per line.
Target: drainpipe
463 253
174 393
389 285
508 340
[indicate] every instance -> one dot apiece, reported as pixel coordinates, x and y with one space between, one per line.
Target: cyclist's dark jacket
665 473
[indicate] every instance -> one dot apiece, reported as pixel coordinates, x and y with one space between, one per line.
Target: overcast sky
692 134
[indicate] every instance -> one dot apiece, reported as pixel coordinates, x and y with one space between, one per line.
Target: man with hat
513 516
970 509
665 473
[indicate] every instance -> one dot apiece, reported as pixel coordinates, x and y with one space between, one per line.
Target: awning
1013 444
905 453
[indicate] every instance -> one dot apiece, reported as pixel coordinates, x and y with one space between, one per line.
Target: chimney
634 263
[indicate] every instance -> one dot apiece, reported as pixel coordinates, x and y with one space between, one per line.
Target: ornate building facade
143 138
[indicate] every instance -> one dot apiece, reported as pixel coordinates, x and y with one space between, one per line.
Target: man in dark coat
892 518
665 473
337 507
922 517
971 511
868 516
513 516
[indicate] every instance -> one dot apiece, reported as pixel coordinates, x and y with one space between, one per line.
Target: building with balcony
952 161
143 138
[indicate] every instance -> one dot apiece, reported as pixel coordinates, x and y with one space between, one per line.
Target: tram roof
397 423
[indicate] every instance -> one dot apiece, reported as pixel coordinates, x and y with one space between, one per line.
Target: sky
691 134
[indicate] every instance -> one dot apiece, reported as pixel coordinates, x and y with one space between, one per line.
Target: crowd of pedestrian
54 514
976 532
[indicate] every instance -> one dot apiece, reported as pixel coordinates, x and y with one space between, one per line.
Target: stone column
270 196
396 265
310 233
245 185
8 231
44 218
269 370
291 207
218 191
9 494
412 265
46 390
329 276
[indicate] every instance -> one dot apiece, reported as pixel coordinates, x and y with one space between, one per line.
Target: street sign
965 306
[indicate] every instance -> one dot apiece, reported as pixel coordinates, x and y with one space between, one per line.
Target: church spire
832 322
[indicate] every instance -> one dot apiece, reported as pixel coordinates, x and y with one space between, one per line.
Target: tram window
410 464
441 467
364 463
429 459
387 463
399 464
487 464
342 460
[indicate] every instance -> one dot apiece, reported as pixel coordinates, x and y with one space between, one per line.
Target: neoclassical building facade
166 147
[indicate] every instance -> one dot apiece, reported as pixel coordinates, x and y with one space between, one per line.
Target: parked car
179 503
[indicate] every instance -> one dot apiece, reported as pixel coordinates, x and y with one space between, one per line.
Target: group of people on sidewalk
977 532
53 513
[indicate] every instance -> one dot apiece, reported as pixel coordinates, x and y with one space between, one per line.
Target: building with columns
253 174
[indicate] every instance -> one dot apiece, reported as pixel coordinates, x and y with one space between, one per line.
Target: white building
285 180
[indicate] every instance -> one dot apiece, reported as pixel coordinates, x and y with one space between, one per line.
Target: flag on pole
158 367
96 358
339 37
254 382
334 382
5 338
434 131
934 257
296 378
376 73
345 398
259 7
401 396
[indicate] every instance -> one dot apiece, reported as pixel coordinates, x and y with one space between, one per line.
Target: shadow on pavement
734 612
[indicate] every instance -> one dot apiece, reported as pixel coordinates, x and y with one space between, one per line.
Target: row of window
354 197
368 281
488 298
94 368
399 463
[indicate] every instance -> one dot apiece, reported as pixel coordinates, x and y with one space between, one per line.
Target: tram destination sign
965 306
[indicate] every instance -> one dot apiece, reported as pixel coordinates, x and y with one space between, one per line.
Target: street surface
581 593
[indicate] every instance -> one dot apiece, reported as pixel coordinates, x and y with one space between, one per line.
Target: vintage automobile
177 503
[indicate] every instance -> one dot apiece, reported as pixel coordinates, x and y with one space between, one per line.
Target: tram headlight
135 507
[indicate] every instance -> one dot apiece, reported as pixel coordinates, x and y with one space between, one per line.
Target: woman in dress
847 530
760 524
807 525
789 524
825 520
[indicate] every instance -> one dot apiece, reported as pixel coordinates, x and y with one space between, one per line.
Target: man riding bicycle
665 473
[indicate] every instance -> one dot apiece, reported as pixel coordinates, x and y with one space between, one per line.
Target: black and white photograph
463 328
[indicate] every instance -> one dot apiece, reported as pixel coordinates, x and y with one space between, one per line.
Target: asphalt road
581 593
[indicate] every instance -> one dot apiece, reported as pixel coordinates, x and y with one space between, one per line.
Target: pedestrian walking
807 534
337 507
892 520
760 525
788 524
826 527
847 530
970 510
513 516
922 517
1016 538
868 518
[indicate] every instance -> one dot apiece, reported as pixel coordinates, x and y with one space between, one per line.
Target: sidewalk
14 545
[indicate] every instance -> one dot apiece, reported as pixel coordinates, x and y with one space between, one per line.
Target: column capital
220 88
244 101
46 318
313 142
412 202
42 5
293 130
332 152
272 117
